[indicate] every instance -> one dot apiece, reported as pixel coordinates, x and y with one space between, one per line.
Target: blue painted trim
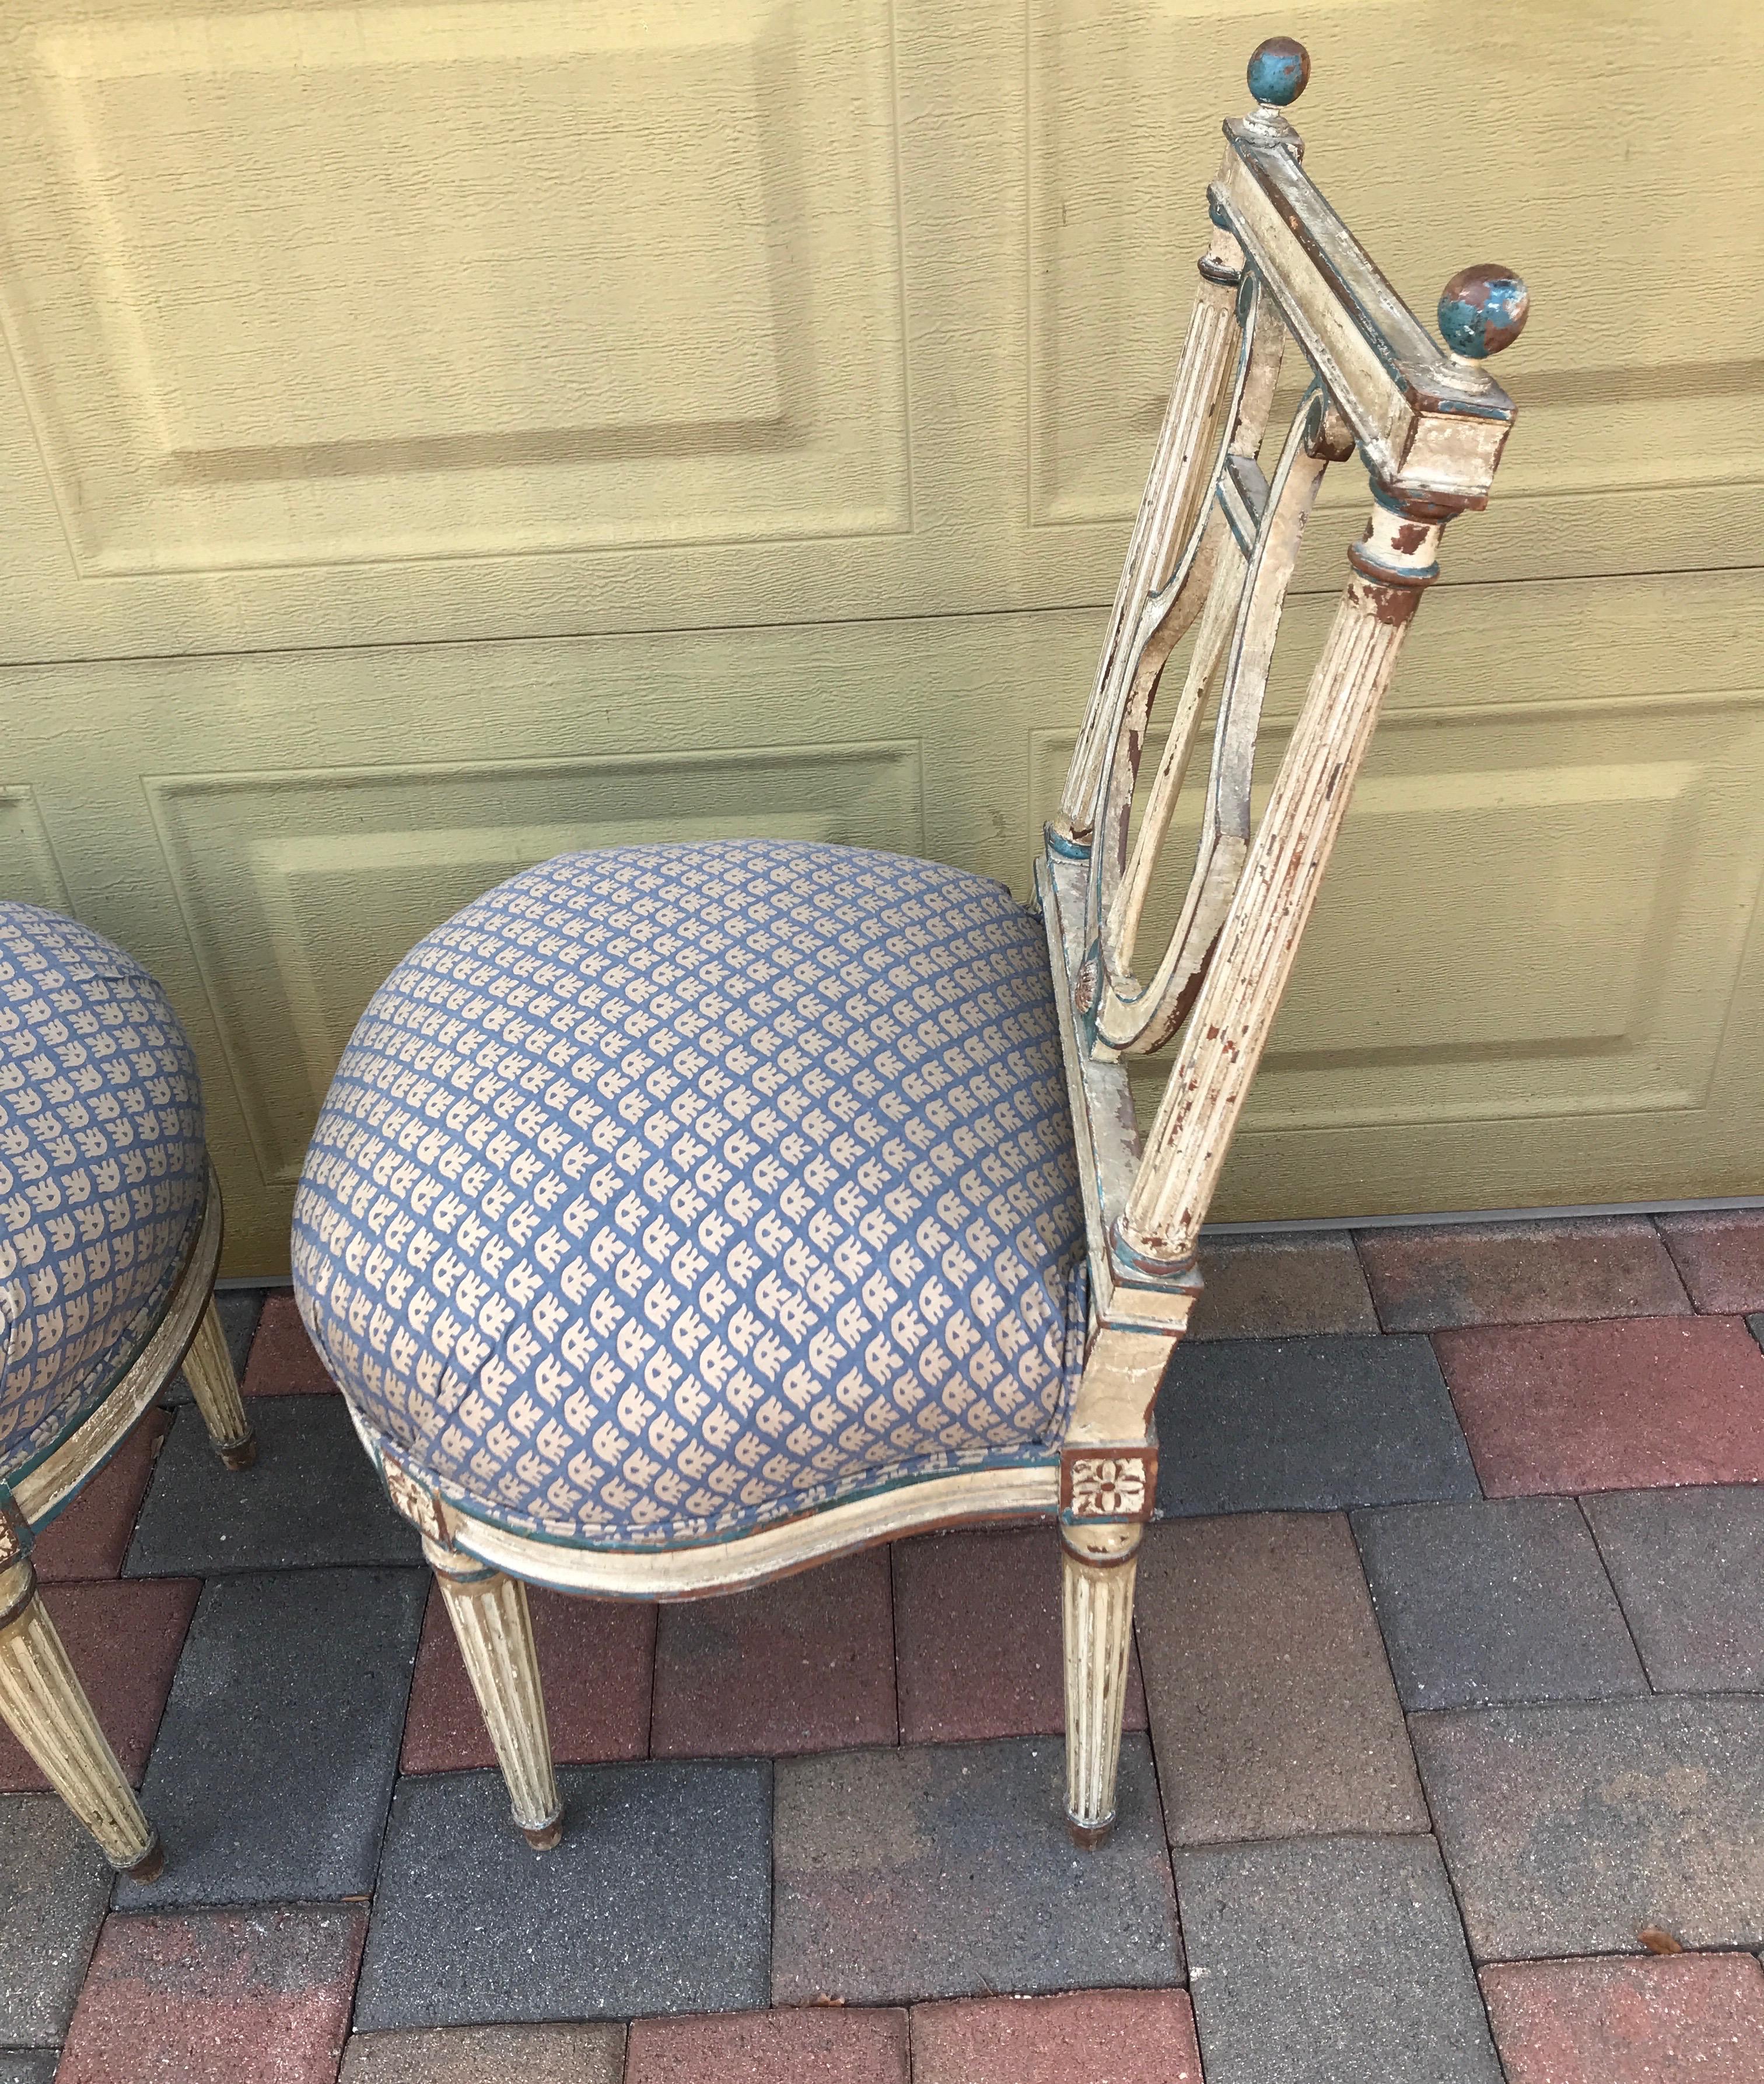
1036 1454
1401 574
1143 1272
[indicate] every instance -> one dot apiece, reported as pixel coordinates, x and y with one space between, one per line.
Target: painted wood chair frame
1213 550
42 1699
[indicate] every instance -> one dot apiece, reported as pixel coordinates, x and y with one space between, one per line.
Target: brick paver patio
1450 1686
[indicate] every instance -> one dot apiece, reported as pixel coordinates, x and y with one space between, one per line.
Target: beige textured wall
433 435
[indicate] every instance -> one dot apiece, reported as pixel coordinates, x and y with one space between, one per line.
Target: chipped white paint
207 1368
494 1627
1107 1487
1430 425
1231 1019
1166 535
1097 1567
963 1499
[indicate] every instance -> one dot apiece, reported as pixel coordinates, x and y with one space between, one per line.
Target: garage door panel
302 890
334 285
1510 927
464 320
1542 910
29 871
440 433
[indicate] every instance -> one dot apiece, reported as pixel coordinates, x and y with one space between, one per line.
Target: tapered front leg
1098 1565
207 1368
45 1708
490 1617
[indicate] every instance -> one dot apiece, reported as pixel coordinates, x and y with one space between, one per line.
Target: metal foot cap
1089 1836
241 1454
151 1865
543 1837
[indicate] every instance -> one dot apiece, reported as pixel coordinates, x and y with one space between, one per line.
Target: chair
682 1216
112 1232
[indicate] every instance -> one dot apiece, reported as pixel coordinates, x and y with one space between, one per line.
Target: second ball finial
1482 310
1279 71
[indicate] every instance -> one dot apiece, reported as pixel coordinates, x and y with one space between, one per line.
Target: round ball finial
1483 310
1279 72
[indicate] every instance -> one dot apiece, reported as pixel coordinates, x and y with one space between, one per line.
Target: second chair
112 1234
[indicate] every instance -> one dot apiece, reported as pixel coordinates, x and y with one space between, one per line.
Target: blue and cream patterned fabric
102 1171
669 1190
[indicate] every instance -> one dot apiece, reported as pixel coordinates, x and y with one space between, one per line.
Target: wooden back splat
1213 550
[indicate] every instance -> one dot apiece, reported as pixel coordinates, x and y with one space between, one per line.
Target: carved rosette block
45 1708
207 1368
1098 1565
1116 1483
491 1619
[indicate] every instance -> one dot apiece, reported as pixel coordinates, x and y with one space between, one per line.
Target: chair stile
1213 550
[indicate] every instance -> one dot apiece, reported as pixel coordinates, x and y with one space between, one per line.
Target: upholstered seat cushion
102 1171
668 1190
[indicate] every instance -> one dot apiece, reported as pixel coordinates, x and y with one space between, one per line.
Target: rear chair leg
490 1617
1098 1562
207 1368
45 1708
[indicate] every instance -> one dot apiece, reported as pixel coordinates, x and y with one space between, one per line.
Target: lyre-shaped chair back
1213 550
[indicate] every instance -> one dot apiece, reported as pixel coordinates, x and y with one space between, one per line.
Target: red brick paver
123 1641
814 2044
488 2055
1097 2036
1280 1286
1683 2018
594 1658
1721 1256
1623 1405
90 1537
804 1665
977 1633
258 1996
283 1359
1450 1274
1272 1707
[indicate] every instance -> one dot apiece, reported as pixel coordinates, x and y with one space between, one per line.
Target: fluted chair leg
1098 1565
207 1368
490 1617
45 1708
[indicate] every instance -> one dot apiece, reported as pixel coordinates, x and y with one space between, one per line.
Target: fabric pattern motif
668 1190
104 1172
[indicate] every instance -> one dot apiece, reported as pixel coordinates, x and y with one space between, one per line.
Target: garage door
437 435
